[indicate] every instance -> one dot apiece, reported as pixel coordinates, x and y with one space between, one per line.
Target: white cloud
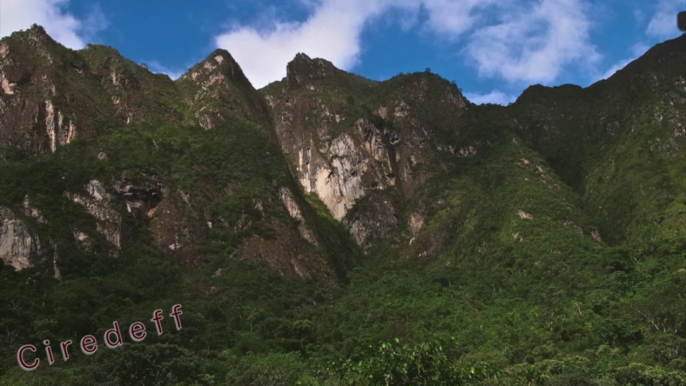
639 15
94 22
663 23
332 32
519 42
496 97
17 15
452 18
535 42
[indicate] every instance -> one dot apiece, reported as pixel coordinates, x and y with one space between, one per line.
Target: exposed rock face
170 225
141 197
303 69
362 167
83 240
208 77
60 129
38 126
343 170
358 162
98 204
46 93
17 243
31 211
55 269
51 96
216 89
146 197
285 255
366 149
524 215
294 211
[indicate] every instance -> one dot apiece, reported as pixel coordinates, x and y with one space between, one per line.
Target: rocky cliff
374 152
364 148
18 245
140 164
407 163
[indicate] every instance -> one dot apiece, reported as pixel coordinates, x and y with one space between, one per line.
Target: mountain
329 229
146 157
373 151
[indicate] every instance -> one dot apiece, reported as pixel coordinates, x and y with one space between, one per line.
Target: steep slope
410 160
138 95
618 142
49 97
363 148
144 161
507 233
367 148
216 90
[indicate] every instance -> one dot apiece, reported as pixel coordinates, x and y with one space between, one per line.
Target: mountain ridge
301 224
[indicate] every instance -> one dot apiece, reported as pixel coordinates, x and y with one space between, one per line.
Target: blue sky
493 49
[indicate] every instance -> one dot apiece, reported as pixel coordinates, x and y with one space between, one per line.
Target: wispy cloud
663 23
17 15
528 42
534 43
94 22
451 18
332 32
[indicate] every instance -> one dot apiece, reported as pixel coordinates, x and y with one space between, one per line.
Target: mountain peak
219 61
111 51
220 55
35 32
301 56
37 29
303 68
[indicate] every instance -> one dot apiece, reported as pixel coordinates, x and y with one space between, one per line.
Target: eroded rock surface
18 244
285 255
47 94
294 211
98 203
363 168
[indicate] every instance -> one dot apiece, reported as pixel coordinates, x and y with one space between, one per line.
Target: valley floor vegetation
492 315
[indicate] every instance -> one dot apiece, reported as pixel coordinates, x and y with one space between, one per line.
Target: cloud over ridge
529 42
17 15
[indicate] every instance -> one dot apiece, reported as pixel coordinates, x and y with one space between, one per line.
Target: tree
151 364
397 364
